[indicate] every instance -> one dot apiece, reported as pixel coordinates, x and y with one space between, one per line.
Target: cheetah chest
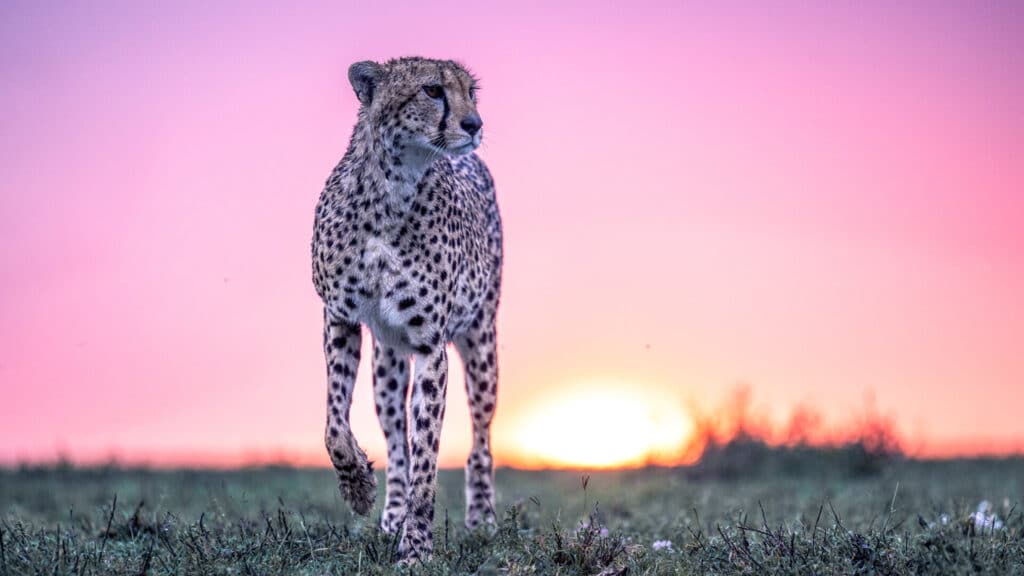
383 278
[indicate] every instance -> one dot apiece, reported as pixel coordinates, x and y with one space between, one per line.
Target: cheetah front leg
429 387
479 355
390 386
355 474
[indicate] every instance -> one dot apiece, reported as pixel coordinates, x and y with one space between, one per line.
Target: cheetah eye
434 91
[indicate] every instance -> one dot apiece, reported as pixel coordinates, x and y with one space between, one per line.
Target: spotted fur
407 240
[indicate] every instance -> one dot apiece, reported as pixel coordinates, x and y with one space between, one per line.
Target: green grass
61 520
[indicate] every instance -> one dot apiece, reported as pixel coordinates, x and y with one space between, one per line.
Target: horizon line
982 449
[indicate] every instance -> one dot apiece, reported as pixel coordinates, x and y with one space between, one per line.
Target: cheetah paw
360 491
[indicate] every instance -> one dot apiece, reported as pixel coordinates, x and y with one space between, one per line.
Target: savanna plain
735 512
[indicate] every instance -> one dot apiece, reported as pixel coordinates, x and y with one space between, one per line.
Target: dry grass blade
106 531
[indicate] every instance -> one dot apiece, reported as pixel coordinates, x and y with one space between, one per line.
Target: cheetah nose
471 124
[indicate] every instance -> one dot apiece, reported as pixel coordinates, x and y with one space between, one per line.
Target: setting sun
603 426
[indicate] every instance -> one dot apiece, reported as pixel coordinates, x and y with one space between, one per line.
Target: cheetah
407 240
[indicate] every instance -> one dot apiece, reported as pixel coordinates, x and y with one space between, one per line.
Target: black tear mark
444 114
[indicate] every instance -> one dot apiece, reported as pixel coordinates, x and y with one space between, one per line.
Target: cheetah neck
394 175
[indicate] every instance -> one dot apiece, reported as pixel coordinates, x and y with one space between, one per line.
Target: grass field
61 520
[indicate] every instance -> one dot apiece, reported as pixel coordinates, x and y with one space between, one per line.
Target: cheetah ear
364 77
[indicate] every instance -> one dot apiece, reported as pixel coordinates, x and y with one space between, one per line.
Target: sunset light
818 199
658 287
606 426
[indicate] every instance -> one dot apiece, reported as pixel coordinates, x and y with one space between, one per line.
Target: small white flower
585 527
662 545
985 519
944 519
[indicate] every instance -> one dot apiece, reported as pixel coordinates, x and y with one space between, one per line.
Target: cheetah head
419 105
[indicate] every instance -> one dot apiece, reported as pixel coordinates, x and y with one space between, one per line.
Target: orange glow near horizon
601 426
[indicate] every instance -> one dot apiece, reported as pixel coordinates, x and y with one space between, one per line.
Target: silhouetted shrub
736 443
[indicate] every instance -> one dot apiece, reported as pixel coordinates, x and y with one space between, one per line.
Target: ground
63 520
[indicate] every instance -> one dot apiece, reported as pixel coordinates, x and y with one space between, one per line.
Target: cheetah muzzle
407 241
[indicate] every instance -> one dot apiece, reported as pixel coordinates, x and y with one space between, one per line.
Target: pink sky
820 199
